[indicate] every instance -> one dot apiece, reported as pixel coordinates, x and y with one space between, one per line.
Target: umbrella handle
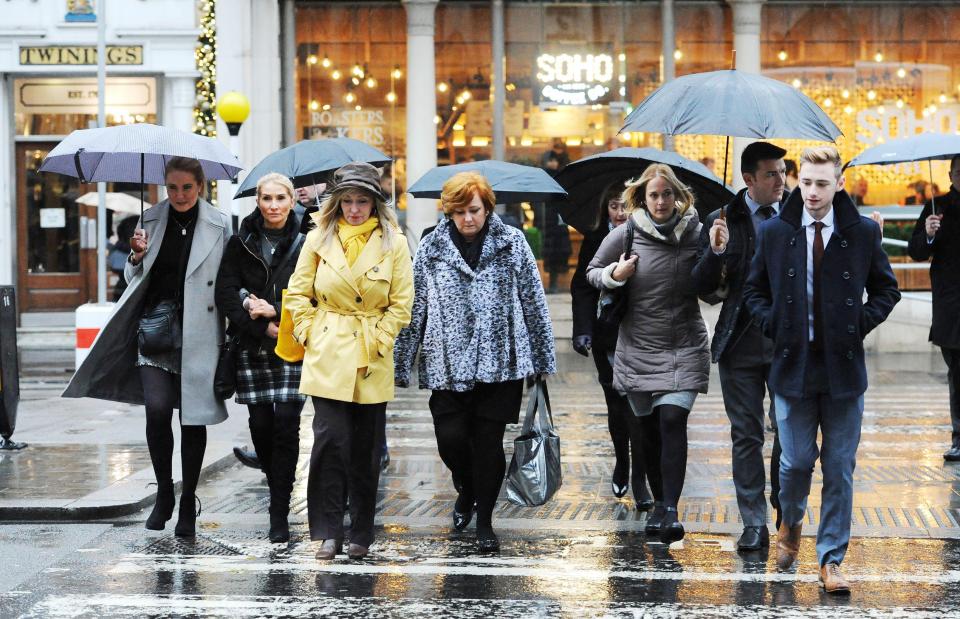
76 162
141 188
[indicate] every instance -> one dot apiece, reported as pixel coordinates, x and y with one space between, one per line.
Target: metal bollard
9 368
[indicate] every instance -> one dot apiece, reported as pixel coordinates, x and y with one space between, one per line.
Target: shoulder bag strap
294 247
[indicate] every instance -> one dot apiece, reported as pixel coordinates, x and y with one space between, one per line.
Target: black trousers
952 357
344 462
275 430
469 427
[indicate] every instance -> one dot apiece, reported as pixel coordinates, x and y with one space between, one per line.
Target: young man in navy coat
806 285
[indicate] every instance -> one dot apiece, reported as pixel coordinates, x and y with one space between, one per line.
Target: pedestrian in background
591 335
349 297
741 351
936 237
174 258
481 324
806 284
662 356
254 271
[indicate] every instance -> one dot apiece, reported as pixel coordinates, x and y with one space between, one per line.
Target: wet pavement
582 554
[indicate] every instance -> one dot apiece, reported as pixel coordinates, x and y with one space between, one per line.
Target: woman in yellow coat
349 297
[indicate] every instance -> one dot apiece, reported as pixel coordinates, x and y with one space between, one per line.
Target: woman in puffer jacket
663 356
481 323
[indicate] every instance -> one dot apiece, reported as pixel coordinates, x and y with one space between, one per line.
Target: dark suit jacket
776 293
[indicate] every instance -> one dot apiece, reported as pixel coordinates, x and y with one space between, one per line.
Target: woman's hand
138 245
273 330
259 308
625 268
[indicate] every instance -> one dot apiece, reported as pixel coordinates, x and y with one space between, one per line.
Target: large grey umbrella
924 147
511 182
585 180
731 103
307 162
136 153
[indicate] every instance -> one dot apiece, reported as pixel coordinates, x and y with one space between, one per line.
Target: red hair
459 189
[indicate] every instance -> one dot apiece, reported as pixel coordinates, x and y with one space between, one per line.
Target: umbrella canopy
731 103
307 162
924 147
511 182
115 201
585 180
136 153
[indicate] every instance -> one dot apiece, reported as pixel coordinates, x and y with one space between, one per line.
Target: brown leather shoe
788 545
329 549
357 552
832 580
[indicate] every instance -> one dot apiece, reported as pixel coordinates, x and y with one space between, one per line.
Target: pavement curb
75 510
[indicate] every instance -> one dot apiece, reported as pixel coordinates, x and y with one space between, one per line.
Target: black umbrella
585 180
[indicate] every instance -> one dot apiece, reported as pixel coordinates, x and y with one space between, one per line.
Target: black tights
665 451
161 393
472 448
275 430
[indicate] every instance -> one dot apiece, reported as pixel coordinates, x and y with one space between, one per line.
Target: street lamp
234 108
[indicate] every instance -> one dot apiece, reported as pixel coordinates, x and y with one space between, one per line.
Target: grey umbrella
731 103
925 147
511 182
136 153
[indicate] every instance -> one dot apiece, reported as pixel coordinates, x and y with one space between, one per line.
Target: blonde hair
458 192
822 154
275 177
636 190
330 213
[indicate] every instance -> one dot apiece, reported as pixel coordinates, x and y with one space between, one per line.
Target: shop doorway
56 237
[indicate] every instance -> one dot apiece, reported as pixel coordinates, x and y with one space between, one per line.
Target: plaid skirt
264 378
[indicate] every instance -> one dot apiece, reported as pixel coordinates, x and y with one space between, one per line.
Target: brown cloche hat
360 175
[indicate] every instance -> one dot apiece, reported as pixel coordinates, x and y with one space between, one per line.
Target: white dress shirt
807 221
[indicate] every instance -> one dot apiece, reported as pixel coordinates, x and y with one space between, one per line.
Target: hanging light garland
204 121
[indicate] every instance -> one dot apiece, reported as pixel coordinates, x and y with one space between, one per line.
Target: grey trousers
744 386
345 460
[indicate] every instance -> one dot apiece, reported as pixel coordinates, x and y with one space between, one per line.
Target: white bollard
91 317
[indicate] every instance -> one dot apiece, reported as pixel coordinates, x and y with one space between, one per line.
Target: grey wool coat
109 372
662 344
489 326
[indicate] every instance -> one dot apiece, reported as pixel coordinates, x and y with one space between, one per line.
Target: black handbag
159 330
612 305
225 376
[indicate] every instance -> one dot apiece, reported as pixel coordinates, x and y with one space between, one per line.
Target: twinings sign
80 55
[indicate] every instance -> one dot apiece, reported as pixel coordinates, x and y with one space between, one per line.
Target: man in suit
742 352
936 236
811 268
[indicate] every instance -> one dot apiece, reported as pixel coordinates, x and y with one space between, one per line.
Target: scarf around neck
469 250
354 238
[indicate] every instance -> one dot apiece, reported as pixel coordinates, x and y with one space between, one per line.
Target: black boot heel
162 507
671 530
187 518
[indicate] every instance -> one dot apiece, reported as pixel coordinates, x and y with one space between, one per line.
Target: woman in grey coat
175 255
663 357
481 323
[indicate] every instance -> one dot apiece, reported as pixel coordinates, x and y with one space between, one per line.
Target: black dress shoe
487 541
671 530
754 538
247 458
462 518
952 455
641 496
654 520
620 481
279 528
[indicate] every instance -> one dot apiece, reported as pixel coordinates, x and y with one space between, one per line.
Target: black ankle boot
162 507
671 530
654 519
187 518
279 527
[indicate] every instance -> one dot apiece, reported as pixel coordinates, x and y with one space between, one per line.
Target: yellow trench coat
337 309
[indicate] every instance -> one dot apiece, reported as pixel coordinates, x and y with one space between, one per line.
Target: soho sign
875 126
574 79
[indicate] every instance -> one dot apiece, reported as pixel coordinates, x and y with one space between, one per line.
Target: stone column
8 218
499 91
746 42
668 46
421 108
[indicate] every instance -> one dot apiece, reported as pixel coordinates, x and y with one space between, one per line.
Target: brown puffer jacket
663 344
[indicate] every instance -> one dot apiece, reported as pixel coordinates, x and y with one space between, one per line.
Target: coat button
209 308
376 269
846 275
786 353
843 243
849 301
851 329
791 272
789 299
793 242
354 334
324 297
210 282
850 354
359 299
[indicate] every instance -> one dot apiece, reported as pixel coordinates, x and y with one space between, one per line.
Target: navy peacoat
776 294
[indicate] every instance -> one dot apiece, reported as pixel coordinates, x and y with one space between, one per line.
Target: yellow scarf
354 238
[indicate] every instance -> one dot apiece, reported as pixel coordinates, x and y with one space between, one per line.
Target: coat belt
367 329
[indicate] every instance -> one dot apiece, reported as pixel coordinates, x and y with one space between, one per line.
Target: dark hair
613 190
186 164
757 152
791 166
954 160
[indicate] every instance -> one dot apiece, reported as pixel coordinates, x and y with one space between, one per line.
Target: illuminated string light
325 63
782 55
204 120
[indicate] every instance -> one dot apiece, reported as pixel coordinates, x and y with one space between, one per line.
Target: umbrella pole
933 195
141 188
726 149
